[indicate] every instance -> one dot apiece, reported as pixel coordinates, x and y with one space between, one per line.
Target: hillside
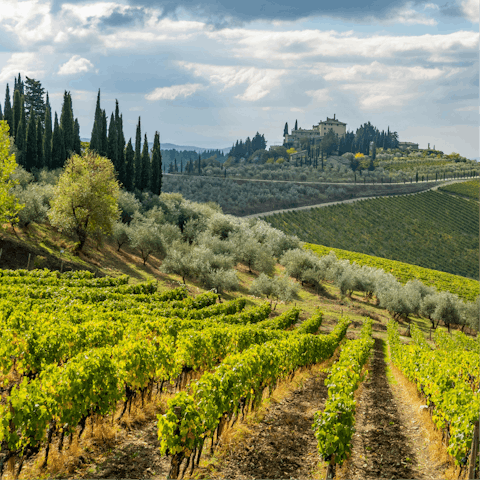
123 443
433 230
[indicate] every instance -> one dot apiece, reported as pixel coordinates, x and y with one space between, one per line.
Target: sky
209 72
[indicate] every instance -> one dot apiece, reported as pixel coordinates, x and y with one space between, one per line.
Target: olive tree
145 237
85 197
448 309
36 198
277 288
179 260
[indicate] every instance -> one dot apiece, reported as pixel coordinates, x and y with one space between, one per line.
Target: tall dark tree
138 156
1 114
47 138
77 143
146 167
112 142
67 124
7 110
31 143
103 135
34 101
17 110
156 182
296 124
58 147
96 136
19 85
20 133
120 144
285 130
129 182
40 137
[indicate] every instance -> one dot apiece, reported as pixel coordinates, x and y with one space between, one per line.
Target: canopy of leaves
85 198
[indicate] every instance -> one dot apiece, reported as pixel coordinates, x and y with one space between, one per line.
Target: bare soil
391 439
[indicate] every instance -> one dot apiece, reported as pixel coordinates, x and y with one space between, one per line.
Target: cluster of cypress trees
241 149
136 169
30 121
41 146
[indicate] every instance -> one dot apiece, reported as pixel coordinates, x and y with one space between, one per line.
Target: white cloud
260 81
320 95
409 16
75 65
171 93
30 64
379 85
471 10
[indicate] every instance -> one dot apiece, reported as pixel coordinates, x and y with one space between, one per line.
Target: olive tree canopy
85 197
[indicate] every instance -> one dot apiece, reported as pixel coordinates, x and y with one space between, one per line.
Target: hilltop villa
316 133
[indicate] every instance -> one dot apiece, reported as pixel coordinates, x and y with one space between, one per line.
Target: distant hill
172 146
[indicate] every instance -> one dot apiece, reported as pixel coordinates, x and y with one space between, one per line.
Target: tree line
41 145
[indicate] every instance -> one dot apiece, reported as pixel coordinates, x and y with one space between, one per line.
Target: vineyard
79 353
430 229
467 189
463 287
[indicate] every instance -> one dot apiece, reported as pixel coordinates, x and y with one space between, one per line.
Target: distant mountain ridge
171 146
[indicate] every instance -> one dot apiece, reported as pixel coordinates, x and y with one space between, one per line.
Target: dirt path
350 200
391 440
283 444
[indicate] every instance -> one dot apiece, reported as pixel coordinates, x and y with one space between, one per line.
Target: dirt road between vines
391 440
283 444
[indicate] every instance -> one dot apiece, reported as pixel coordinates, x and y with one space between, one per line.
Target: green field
468 189
464 287
430 229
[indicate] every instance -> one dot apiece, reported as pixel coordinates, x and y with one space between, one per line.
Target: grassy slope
432 229
108 261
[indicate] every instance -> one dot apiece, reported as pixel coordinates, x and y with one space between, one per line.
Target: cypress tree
112 142
95 138
1 114
103 135
7 111
31 143
199 165
67 124
120 149
47 138
285 130
34 97
58 147
296 124
40 157
138 157
19 85
77 144
156 182
129 167
20 134
17 110
146 167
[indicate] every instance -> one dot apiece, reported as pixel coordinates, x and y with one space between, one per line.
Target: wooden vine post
472 471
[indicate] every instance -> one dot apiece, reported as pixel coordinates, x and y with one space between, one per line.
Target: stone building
316 133
405 145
